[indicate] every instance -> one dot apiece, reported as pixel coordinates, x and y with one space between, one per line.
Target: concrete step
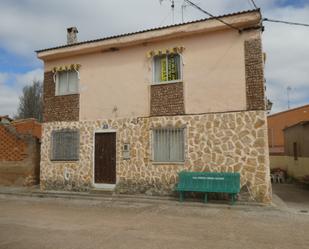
104 192
103 195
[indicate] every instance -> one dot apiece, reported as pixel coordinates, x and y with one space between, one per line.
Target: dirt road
27 222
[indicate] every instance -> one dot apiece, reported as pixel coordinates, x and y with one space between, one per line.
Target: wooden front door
105 158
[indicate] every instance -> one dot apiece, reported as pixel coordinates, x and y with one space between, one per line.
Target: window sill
168 163
65 94
64 160
166 82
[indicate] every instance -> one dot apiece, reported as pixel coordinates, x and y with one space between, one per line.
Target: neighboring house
5 119
19 151
129 112
276 125
296 138
278 121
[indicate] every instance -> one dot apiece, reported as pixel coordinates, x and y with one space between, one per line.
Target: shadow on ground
294 196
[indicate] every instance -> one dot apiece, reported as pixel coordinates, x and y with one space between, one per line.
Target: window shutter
62 82
73 81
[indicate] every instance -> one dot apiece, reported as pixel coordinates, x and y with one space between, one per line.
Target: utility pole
183 6
172 7
173 10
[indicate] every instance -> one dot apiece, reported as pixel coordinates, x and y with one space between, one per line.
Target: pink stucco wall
117 84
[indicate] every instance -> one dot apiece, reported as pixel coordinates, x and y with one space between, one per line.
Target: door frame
102 185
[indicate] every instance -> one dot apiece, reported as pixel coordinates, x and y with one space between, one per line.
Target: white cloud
28 77
11 88
33 24
3 77
8 100
287 61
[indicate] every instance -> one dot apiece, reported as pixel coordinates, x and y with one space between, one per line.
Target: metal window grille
65 145
168 145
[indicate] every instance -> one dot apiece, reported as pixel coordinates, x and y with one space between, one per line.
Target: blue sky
296 3
28 25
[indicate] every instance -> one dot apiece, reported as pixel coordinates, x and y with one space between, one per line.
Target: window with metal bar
65 145
168 145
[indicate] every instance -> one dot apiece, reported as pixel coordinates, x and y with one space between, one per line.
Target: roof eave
303 122
240 20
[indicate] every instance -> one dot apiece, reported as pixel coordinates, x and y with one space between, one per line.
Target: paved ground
31 222
294 196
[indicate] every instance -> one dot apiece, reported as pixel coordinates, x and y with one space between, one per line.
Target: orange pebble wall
11 147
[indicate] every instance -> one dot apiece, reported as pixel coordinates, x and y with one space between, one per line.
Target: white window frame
168 81
153 145
57 84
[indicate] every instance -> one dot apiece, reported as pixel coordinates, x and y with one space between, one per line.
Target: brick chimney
71 35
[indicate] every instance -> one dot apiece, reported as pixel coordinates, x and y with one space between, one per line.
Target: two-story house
129 112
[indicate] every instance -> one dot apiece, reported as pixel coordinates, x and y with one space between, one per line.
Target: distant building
5 119
296 138
278 121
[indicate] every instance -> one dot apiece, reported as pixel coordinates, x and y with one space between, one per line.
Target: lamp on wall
269 105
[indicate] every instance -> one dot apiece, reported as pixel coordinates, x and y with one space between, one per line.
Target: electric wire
252 1
285 22
211 15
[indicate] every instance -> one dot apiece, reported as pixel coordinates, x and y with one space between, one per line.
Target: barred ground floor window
168 145
65 145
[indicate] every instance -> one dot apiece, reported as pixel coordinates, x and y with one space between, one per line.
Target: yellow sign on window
163 69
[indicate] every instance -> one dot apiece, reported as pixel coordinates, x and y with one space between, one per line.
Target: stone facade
254 68
58 108
216 142
167 99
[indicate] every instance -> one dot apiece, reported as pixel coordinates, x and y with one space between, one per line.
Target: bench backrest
209 182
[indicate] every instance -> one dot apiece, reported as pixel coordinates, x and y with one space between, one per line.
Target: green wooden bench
208 182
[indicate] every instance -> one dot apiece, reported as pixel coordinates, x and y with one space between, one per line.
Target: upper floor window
167 68
67 82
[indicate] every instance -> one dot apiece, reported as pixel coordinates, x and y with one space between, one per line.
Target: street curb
112 197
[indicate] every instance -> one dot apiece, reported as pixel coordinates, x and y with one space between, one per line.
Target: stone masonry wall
58 108
167 99
254 75
221 142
